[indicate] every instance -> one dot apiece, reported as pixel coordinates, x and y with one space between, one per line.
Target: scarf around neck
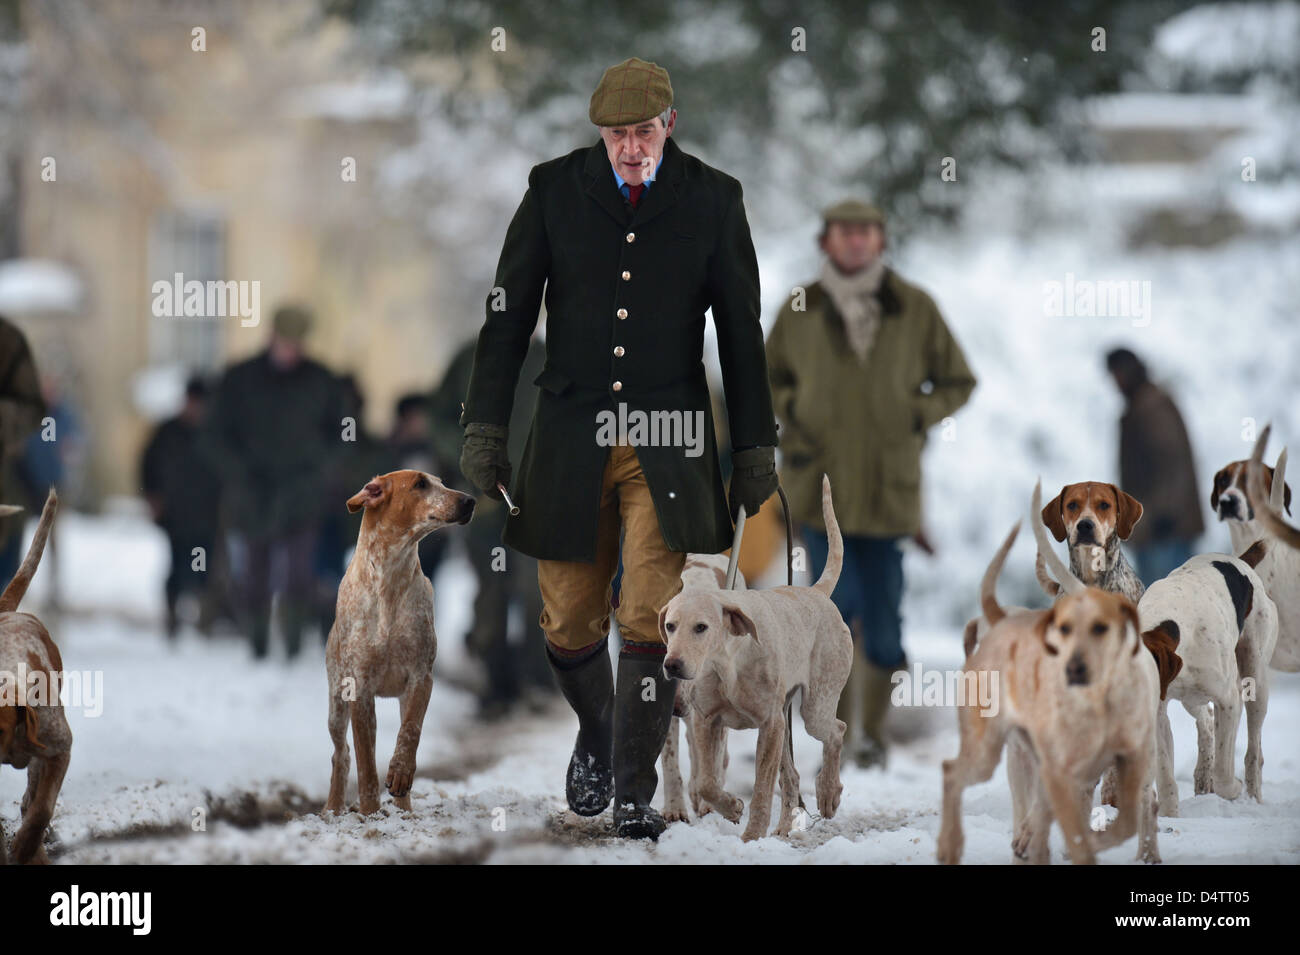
854 297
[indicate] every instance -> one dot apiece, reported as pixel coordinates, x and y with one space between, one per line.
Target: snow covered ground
196 731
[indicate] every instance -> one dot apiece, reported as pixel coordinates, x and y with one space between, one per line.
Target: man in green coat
631 240
861 364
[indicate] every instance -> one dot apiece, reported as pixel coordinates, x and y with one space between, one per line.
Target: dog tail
1050 586
1068 582
988 587
17 588
835 555
1269 510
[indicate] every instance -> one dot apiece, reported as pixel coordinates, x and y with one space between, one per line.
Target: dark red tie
634 193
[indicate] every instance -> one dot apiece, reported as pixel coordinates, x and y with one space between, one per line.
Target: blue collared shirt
622 183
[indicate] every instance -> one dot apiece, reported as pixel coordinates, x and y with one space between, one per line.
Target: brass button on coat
622 313
618 351
618 386
631 237
626 276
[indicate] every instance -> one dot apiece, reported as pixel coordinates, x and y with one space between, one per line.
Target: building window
192 245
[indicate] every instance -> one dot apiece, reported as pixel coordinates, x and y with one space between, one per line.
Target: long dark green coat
684 249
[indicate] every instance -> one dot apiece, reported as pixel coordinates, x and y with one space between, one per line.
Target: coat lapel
601 185
666 190
663 195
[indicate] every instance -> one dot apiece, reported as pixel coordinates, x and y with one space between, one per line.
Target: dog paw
1230 790
401 774
1020 842
730 807
949 848
675 814
828 799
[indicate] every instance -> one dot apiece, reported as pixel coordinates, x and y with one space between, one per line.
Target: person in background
361 456
506 577
184 493
410 446
275 435
21 409
1157 467
861 363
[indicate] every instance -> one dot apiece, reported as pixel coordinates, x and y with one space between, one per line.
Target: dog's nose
465 511
1227 507
675 668
1084 531
1076 672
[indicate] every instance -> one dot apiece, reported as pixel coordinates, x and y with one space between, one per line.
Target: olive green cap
632 92
292 322
853 210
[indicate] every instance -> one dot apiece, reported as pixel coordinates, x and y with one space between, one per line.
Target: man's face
852 246
285 352
634 151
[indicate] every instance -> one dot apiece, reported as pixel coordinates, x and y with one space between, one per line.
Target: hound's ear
1214 489
1052 518
376 492
1129 513
663 617
738 621
1129 611
1162 645
32 722
1040 628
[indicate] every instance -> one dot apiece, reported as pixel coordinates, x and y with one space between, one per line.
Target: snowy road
197 731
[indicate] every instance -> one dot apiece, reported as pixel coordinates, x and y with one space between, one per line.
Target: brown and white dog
1253 525
34 733
382 642
1078 695
1094 517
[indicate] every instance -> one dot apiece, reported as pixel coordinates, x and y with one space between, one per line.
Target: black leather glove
753 479
483 457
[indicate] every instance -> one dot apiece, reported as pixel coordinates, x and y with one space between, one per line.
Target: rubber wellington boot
589 689
643 707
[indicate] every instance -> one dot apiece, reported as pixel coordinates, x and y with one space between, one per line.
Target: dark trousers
509 667
284 563
869 592
183 578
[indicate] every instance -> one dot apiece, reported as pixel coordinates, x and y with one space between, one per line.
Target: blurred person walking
507 578
184 495
410 446
21 409
630 240
361 456
1157 467
861 364
275 435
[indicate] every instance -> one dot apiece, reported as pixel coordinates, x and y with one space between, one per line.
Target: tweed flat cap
632 92
853 210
